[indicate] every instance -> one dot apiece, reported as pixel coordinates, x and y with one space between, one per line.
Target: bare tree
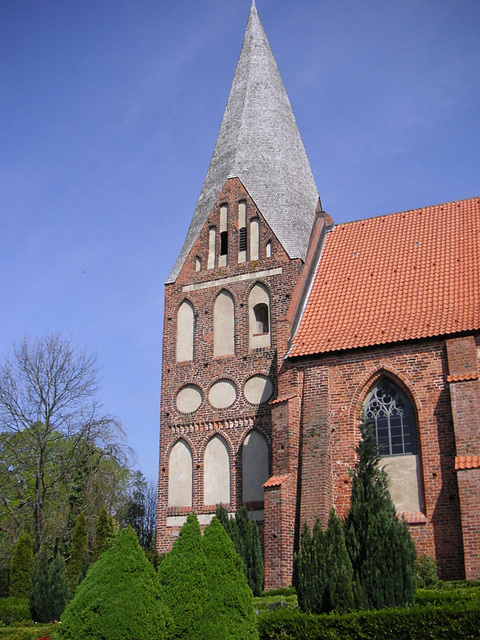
49 408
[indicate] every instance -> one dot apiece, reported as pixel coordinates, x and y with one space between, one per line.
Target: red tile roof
467 462
275 481
402 276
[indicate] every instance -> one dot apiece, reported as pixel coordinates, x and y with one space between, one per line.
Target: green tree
339 591
141 510
183 577
381 549
48 588
119 598
78 554
229 610
103 533
48 410
244 535
21 567
310 571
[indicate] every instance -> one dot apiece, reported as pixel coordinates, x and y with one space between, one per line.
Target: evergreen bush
48 588
21 567
426 572
119 599
103 533
78 562
183 578
244 535
380 547
229 612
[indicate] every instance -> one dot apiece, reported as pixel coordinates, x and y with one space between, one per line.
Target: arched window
222 258
259 317
212 238
392 415
216 485
224 325
180 476
185 329
254 467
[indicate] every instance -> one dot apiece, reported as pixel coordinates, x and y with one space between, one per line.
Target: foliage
21 567
50 423
455 619
183 577
244 535
48 588
103 533
14 610
322 572
78 554
229 611
426 572
119 599
381 549
141 510
28 632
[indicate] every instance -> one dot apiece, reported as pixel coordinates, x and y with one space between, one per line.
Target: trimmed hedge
14 610
28 632
457 619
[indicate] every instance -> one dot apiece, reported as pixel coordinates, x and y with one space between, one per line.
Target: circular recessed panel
222 394
189 398
258 389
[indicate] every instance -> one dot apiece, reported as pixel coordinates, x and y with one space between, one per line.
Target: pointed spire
259 143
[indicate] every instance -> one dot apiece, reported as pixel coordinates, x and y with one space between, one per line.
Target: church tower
226 300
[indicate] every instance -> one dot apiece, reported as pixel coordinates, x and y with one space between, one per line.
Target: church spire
259 143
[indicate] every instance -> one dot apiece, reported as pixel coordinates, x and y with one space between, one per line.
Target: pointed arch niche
216 480
180 486
392 416
185 329
224 325
254 467
259 317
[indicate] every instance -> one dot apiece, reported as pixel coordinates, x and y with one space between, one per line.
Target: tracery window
391 413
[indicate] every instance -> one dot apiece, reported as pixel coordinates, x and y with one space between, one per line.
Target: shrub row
14 610
459 620
28 632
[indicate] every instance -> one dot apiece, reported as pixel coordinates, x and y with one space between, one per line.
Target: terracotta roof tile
402 276
467 462
275 481
463 377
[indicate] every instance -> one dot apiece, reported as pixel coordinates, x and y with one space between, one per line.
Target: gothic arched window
391 413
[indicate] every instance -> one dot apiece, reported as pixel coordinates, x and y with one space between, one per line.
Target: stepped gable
403 276
259 143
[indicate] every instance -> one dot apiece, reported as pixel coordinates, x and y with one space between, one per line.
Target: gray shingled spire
259 143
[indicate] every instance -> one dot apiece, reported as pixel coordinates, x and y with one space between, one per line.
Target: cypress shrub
21 567
229 611
183 578
380 547
339 591
244 535
103 533
78 562
48 588
120 598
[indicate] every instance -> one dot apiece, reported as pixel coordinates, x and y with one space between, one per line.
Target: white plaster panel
222 394
185 325
405 481
217 472
189 398
224 325
180 485
254 467
258 389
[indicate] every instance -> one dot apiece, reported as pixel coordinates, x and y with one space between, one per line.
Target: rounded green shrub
119 599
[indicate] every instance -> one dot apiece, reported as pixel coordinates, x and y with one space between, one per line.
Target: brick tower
226 299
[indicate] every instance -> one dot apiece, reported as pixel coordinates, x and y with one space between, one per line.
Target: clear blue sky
109 114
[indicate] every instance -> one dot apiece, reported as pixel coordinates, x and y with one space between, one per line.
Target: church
282 330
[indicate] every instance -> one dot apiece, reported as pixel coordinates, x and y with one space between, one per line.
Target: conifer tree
310 570
48 589
78 554
183 578
339 591
244 535
102 533
381 549
21 567
119 598
229 610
